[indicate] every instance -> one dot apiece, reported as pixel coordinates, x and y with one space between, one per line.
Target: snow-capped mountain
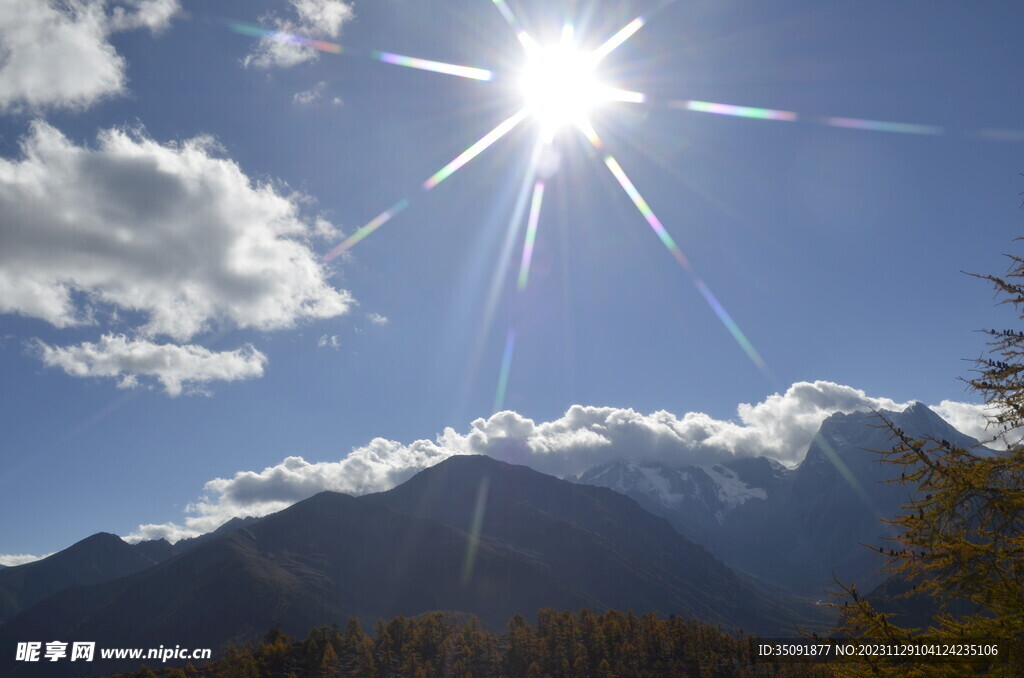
695 499
793 527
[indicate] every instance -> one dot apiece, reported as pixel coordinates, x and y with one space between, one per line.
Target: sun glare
560 87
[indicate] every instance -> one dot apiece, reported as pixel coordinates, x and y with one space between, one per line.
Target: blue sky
169 186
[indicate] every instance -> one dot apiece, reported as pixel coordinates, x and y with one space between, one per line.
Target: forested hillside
562 644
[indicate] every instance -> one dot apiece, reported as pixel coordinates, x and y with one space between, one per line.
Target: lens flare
647 212
791 116
882 126
506 367
442 174
476 524
561 89
738 111
731 325
279 36
623 34
524 38
498 132
623 95
846 474
531 234
433 66
670 244
999 134
366 230
498 278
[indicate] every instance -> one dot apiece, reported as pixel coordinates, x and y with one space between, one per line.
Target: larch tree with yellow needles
961 549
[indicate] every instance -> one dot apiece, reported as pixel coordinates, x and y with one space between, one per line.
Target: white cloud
58 53
325 230
781 427
13 559
970 418
170 231
379 465
323 16
315 18
155 15
175 367
377 318
310 95
332 341
172 234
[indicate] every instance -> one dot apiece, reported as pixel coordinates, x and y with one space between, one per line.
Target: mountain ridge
793 527
547 543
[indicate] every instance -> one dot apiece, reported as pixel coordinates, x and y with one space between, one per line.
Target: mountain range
472 535
742 544
793 528
93 560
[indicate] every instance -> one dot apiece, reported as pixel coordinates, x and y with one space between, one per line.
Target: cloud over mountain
173 236
970 418
781 427
59 54
14 559
380 465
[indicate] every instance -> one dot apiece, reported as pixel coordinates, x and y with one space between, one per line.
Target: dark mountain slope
794 528
834 506
543 542
95 559
589 538
99 558
317 562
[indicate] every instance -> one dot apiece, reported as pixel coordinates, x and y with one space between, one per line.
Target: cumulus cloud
317 18
171 231
59 54
972 419
15 559
308 96
329 341
175 367
379 465
173 234
780 427
377 318
155 15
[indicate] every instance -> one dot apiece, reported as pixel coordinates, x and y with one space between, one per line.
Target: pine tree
963 532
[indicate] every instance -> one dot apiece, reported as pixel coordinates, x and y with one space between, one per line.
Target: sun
560 87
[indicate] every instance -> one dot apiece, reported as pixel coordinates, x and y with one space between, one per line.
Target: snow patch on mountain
717 488
731 490
661 485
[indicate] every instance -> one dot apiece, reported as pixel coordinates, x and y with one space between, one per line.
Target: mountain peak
474 461
101 538
101 542
917 411
97 558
